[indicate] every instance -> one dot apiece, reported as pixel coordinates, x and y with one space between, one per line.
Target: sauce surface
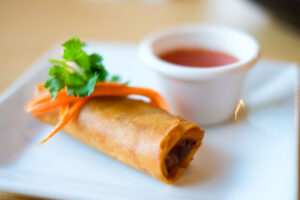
198 57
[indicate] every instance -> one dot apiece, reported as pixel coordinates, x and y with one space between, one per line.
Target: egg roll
136 133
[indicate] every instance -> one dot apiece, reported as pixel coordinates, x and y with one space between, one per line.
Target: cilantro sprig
78 71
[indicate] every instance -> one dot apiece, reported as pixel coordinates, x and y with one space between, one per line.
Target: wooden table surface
30 27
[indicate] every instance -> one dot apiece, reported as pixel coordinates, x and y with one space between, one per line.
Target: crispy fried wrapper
136 133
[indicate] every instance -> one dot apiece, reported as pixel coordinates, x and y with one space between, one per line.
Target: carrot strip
63 111
47 97
49 105
154 97
66 117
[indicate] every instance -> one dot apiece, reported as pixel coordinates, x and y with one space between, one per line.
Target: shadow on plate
208 165
14 141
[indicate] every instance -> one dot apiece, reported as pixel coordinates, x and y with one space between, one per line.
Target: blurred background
30 27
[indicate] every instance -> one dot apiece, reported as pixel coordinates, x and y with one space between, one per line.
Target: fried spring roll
136 133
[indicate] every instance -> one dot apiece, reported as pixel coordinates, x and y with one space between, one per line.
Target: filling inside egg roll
136 133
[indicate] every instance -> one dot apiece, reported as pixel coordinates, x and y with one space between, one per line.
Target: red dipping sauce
198 57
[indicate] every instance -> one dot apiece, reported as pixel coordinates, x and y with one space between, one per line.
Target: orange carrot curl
70 105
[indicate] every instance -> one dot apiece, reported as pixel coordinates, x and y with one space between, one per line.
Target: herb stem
64 63
57 61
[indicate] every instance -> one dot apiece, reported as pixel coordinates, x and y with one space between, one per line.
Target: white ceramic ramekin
205 96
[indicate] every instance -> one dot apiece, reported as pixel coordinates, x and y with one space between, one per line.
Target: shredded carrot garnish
65 117
63 111
70 105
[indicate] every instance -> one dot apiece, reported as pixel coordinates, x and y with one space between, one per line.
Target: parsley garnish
81 80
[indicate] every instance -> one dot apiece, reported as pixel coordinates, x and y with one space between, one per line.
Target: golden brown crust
134 132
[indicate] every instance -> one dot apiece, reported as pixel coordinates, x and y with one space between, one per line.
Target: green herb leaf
97 66
78 81
84 90
54 86
115 78
73 49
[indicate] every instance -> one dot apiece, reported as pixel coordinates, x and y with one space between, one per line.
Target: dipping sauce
198 57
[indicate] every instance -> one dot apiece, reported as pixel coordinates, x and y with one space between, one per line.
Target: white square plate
254 157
